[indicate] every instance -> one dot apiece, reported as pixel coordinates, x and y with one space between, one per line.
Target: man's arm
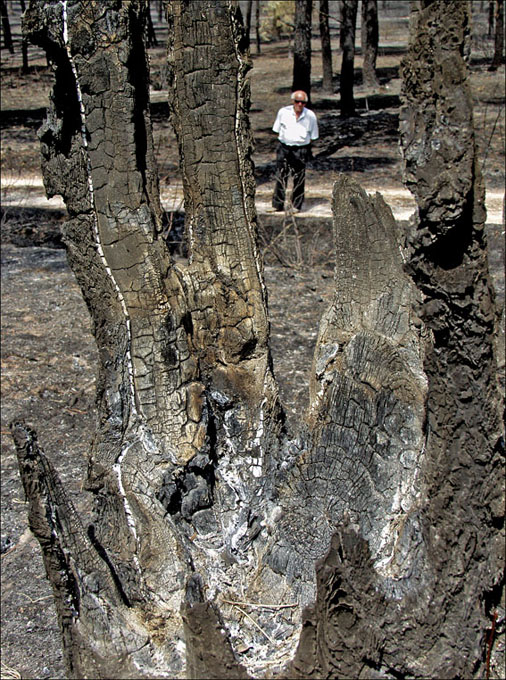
314 128
277 123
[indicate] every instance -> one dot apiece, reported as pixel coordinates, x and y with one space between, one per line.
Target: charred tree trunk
210 518
347 38
151 40
498 57
24 46
491 6
302 46
369 42
247 26
448 261
326 46
257 26
6 27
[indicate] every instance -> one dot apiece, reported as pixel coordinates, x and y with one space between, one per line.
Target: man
297 128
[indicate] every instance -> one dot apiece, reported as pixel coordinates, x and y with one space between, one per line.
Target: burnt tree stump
365 544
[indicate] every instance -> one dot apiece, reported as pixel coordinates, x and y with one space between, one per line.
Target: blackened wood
302 46
347 39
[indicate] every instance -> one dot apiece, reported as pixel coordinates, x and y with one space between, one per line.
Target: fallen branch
8 672
261 606
254 623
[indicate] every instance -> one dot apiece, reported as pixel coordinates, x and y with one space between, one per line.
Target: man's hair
301 92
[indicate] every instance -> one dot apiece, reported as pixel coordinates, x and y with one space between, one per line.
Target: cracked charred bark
365 545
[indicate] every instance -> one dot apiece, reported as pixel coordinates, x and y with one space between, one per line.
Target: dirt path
27 191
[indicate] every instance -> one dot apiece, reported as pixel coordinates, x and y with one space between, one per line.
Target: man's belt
294 146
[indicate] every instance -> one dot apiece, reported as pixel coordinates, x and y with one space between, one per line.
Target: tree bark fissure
363 545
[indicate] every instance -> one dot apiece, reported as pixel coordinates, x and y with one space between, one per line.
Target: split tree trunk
364 545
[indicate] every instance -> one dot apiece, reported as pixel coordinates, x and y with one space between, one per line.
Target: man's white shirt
295 132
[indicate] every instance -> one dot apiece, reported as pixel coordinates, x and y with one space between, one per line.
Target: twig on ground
489 144
298 248
254 623
9 673
262 606
37 599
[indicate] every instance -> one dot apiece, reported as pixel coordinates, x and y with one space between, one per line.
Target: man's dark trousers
290 159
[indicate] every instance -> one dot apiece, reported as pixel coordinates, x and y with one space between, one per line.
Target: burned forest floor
48 352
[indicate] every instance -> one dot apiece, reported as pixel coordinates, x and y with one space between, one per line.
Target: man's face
299 103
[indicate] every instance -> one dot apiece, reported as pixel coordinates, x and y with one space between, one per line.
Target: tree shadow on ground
336 132
350 163
22 117
371 102
266 172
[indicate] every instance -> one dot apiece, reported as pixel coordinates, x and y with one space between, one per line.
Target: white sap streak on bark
117 466
95 220
257 466
238 146
126 505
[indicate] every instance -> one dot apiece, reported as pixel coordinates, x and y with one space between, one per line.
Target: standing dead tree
223 545
6 27
302 46
347 40
369 42
247 23
323 15
498 57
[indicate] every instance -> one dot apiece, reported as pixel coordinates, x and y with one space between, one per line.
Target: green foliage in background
276 19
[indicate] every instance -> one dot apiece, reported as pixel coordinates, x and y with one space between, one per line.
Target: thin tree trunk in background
24 46
247 31
498 57
6 27
257 26
302 46
490 18
151 40
347 40
369 42
326 46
